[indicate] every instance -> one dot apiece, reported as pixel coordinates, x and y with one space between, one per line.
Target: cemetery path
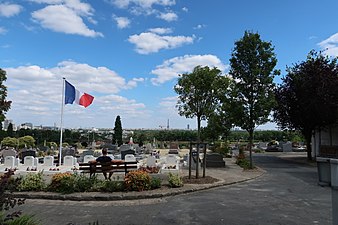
286 194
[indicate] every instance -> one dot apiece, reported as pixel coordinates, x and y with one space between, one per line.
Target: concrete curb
157 193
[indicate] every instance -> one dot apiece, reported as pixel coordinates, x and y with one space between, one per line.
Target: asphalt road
286 194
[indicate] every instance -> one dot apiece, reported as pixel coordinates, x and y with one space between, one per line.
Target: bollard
334 188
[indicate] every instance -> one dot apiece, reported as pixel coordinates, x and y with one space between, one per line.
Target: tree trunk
250 147
308 147
198 145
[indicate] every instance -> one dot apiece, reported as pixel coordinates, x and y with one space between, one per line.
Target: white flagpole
61 124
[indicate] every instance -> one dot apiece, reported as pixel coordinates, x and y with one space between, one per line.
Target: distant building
6 124
26 126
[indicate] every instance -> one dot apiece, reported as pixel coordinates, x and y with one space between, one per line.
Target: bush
63 183
84 183
175 180
155 183
32 182
112 186
7 201
137 181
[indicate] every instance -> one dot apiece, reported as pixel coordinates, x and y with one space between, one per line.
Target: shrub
84 183
175 180
7 201
112 186
137 181
63 183
32 182
155 183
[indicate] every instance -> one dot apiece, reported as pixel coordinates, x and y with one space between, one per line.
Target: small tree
308 97
26 141
117 137
198 94
252 68
10 132
10 142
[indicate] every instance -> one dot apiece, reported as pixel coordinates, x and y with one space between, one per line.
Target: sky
128 54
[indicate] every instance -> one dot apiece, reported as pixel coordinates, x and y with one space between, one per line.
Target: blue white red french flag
73 95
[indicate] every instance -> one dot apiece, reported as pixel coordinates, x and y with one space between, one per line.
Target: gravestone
68 151
125 152
28 152
124 147
214 160
148 148
173 146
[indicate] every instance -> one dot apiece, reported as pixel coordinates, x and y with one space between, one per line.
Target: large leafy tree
252 68
4 105
198 93
117 137
308 98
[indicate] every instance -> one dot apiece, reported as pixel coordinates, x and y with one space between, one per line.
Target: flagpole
61 124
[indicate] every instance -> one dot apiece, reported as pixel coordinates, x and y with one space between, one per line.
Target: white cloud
185 9
330 45
3 30
36 94
170 16
122 22
8 10
143 7
199 26
151 42
60 18
160 30
65 16
142 3
171 68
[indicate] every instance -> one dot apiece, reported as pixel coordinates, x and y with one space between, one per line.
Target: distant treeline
146 136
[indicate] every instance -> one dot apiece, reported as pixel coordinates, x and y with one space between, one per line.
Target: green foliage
7 201
252 66
307 98
244 163
5 105
137 181
198 93
175 180
26 141
32 182
117 137
221 148
155 183
10 142
63 183
112 186
10 132
84 183
19 220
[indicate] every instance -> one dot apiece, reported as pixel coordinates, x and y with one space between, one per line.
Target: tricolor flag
73 95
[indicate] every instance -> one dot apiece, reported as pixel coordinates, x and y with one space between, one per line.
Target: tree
26 141
252 68
10 132
117 137
4 105
197 94
10 142
308 99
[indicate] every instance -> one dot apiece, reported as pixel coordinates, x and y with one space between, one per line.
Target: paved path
286 194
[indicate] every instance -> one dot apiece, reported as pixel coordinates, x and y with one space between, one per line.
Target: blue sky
128 53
